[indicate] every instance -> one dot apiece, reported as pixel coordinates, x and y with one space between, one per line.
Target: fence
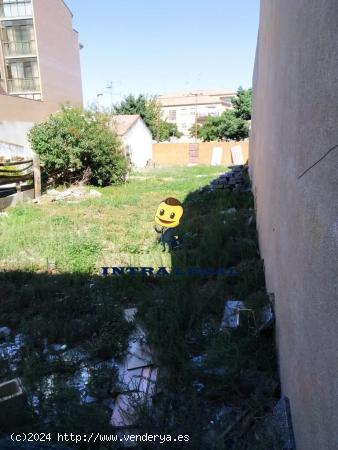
207 153
19 181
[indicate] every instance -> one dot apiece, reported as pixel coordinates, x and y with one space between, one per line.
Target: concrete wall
139 141
25 110
294 125
15 133
18 115
167 155
58 52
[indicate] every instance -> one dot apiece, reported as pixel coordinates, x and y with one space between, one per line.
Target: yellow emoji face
169 213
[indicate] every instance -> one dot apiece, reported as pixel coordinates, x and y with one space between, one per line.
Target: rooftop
123 122
193 97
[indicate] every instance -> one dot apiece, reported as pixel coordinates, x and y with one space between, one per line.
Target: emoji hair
172 202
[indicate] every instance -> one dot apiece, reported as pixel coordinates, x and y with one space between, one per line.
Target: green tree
231 124
242 103
73 143
195 131
150 111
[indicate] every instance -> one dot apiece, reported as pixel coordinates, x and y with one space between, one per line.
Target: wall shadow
203 368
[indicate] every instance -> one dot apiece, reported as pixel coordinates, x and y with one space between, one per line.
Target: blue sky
157 46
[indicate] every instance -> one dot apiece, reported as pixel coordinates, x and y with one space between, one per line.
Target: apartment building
187 108
39 51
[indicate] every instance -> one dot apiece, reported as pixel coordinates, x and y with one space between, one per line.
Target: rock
198 386
53 192
94 193
198 361
58 347
129 314
88 400
75 355
76 193
231 211
5 333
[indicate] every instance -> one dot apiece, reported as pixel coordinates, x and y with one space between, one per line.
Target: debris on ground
276 429
13 403
11 351
5 333
235 180
138 378
265 319
94 193
231 316
72 194
234 311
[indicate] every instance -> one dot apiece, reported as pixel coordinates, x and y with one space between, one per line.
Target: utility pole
158 125
110 87
98 101
196 97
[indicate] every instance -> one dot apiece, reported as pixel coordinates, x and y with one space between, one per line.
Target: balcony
17 49
23 85
13 10
2 86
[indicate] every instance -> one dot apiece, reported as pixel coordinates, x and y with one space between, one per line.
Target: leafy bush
231 124
74 142
226 127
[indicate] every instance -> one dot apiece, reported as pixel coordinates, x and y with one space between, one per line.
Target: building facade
136 137
294 166
185 109
39 51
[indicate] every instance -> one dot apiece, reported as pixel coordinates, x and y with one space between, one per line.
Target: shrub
73 142
231 124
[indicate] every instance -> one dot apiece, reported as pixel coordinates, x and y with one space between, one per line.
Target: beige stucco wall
18 115
25 110
177 154
58 52
295 122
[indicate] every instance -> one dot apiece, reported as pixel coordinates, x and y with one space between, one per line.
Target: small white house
136 137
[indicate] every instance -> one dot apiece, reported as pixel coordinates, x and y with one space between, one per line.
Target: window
227 101
15 8
172 114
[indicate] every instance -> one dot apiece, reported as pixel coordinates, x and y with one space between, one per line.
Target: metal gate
194 153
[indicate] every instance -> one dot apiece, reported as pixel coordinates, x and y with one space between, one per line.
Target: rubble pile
73 194
235 180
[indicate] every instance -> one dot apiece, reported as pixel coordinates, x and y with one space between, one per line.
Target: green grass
115 229
181 315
